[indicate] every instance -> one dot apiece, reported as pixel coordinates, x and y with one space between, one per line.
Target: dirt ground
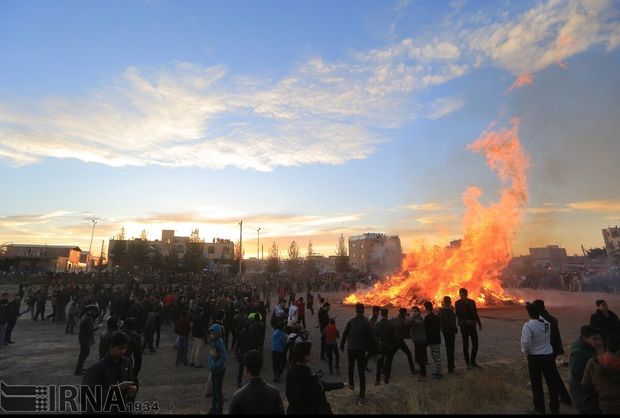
44 354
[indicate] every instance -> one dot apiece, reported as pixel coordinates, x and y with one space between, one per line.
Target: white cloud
188 115
443 106
545 34
321 112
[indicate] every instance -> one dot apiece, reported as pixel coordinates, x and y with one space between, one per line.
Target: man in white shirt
536 343
292 315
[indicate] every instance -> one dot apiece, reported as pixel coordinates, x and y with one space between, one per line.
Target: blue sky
307 119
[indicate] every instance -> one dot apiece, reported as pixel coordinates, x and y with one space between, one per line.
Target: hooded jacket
217 353
602 376
580 353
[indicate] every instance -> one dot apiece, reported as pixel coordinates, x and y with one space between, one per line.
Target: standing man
602 377
72 315
257 396
467 316
301 311
4 316
360 339
605 321
447 320
14 306
183 328
536 344
386 341
86 337
402 328
556 344
217 367
41 301
583 349
113 369
433 337
278 351
373 320
323 317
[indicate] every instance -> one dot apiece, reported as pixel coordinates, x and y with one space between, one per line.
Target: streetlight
240 245
92 234
258 245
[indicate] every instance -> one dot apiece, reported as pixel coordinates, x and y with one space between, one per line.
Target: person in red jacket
301 311
183 328
331 335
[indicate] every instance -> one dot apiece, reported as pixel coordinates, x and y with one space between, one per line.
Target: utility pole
92 235
240 246
258 244
101 255
262 253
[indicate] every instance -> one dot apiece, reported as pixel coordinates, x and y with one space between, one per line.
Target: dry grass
500 387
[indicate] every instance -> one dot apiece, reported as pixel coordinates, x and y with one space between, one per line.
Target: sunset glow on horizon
307 120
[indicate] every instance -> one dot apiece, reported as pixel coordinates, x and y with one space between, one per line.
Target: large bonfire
485 250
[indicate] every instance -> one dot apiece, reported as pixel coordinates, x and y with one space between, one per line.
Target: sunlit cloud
546 34
611 205
525 79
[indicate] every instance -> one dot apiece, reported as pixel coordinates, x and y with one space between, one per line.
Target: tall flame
485 250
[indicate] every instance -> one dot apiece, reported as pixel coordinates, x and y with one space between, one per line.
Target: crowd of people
594 361
232 318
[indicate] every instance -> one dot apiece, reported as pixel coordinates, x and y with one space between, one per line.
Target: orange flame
524 79
430 274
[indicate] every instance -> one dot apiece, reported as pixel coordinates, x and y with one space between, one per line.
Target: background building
30 258
612 240
552 255
375 253
173 248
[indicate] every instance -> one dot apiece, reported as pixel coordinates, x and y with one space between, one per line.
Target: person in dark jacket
604 321
601 377
105 339
433 337
149 333
114 369
447 321
256 397
86 337
323 317
558 348
359 337
373 320
418 336
41 302
386 342
304 390
467 316
158 310
402 328
4 316
583 349
182 328
13 314
197 338
134 352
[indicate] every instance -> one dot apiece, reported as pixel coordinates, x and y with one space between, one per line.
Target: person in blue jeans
217 367
183 328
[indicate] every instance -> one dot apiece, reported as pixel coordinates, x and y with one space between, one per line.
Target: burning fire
430 274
